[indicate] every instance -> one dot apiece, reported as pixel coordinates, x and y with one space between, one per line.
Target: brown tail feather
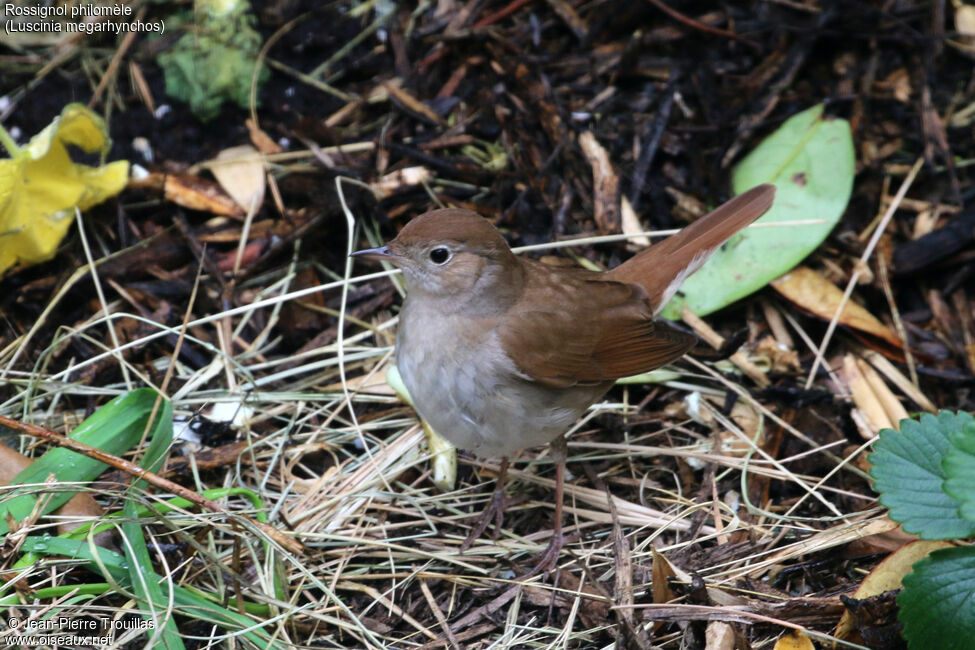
663 267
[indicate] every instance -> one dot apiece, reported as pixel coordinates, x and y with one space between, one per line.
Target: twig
714 339
500 14
132 469
695 24
859 269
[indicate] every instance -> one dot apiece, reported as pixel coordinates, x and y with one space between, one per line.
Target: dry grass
680 514
340 463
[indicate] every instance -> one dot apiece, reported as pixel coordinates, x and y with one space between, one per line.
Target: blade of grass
114 428
185 601
90 529
289 543
148 591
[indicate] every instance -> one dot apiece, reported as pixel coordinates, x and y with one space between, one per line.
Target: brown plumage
662 267
501 353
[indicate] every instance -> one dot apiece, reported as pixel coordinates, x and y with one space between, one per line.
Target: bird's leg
494 510
550 556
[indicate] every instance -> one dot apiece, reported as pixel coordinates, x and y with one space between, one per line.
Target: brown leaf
887 576
632 226
195 193
719 636
605 185
79 508
661 572
815 294
240 172
872 397
261 140
191 192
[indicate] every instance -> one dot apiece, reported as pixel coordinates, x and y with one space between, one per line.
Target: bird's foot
549 557
493 512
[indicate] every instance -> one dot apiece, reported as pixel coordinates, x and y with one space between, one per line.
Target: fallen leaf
80 508
631 225
810 160
719 636
406 177
888 576
195 193
661 571
813 293
240 172
605 185
794 640
260 139
872 397
40 187
965 26
191 192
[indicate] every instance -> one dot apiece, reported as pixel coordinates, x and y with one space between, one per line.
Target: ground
710 497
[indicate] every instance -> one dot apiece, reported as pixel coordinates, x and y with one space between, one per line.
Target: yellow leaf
794 640
887 576
443 455
40 187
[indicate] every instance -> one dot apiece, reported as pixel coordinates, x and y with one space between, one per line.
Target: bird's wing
571 329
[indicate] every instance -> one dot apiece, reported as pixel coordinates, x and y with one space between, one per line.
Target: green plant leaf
936 604
164 633
959 467
214 61
908 473
114 428
810 160
115 568
158 509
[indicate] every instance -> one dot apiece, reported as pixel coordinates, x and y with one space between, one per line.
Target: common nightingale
501 352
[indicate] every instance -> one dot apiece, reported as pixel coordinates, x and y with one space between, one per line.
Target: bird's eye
439 255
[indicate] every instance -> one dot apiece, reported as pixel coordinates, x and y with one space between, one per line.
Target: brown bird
501 352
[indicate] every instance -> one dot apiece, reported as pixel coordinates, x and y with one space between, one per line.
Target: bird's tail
663 267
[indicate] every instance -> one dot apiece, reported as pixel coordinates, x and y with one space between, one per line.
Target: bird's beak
374 254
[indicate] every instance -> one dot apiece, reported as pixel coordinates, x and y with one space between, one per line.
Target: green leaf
959 467
810 160
164 633
114 428
115 569
908 473
937 606
214 61
158 509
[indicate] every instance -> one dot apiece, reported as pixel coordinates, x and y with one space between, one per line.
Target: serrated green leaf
908 473
810 160
959 467
936 604
114 428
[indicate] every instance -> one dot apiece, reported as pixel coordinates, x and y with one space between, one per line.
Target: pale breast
464 385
